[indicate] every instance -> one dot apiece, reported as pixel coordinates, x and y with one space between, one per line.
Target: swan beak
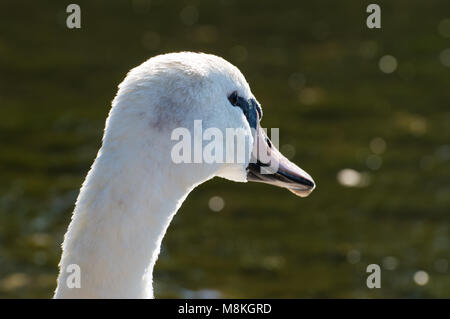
269 166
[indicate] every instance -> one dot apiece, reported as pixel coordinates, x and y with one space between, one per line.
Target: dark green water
314 66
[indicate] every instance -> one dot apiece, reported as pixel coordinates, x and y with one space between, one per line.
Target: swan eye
233 97
249 107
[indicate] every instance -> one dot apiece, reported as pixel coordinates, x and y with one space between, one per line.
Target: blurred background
365 111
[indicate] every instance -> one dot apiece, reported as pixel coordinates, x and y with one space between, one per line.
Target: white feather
133 189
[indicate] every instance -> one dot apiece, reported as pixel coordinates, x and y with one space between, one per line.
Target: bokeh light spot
390 262
387 64
350 178
378 145
421 278
444 56
216 203
444 28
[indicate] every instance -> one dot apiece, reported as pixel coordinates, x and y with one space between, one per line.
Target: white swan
134 188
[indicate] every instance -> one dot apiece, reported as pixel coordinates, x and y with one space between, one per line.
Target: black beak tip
297 179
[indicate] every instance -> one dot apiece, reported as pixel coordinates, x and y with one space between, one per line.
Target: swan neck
122 213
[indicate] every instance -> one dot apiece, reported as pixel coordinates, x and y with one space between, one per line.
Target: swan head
197 112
